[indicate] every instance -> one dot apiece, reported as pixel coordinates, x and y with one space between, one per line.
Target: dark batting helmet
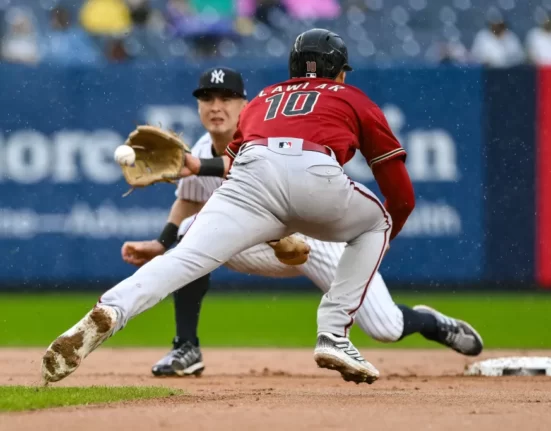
318 53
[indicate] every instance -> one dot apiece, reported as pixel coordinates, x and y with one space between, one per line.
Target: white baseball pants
270 193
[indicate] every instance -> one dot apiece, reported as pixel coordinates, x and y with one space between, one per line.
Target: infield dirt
282 389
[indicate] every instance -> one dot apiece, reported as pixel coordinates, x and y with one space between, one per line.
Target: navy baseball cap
221 79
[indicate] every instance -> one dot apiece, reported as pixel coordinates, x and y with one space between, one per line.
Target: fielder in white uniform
378 316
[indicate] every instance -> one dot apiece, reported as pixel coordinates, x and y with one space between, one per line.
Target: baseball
125 155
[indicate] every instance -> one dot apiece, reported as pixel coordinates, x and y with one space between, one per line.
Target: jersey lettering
297 103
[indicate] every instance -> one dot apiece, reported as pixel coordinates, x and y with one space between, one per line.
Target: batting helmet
318 53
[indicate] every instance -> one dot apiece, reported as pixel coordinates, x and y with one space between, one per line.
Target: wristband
169 235
212 167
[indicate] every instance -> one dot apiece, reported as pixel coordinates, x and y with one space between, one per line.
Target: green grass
17 398
505 321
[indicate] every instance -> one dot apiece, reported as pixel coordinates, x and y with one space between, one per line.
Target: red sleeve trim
229 152
398 152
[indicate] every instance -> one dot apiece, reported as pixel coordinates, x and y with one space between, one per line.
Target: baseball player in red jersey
286 176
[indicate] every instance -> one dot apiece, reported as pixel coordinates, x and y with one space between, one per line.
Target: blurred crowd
69 32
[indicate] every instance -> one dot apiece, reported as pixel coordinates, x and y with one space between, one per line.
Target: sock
415 321
187 307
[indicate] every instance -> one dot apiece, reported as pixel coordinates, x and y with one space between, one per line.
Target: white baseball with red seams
125 155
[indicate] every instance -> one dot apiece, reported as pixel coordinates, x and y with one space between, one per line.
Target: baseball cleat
163 368
187 360
454 333
338 353
66 353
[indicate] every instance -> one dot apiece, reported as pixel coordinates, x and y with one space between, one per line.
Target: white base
511 366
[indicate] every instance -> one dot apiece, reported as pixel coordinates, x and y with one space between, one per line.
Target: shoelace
186 353
455 335
350 350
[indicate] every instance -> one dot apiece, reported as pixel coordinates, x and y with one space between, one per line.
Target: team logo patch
217 76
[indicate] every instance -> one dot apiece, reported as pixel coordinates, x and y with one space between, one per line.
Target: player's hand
191 166
140 252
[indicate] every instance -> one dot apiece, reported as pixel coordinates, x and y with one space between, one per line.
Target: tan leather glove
160 156
291 250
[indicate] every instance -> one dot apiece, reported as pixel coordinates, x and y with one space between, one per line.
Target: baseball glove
160 156
291 250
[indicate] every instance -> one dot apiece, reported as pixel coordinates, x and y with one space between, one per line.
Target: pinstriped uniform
378 316
199 189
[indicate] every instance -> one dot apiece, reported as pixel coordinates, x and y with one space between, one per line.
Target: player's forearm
395 184
214 167
181 209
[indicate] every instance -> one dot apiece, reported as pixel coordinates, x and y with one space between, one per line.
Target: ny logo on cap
217 76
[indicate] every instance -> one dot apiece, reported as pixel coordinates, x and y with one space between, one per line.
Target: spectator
205 31
303 9
447 52
20 42
66 43
497 46
221 8
313 9
106 17
140 12
538 43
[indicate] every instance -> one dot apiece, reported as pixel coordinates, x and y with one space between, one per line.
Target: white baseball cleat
66 353
338 353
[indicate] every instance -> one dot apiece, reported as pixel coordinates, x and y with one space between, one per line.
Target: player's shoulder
205 139
202 147
357 98
356 91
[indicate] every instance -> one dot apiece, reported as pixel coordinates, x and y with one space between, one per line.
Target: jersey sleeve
233 148
378 143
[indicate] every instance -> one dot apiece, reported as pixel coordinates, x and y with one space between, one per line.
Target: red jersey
339 116
319 110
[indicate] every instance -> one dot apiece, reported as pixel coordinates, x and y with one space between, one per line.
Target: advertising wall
63 217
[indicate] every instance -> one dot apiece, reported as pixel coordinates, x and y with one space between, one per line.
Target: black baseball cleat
187 360
338 353
454 333
188 356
